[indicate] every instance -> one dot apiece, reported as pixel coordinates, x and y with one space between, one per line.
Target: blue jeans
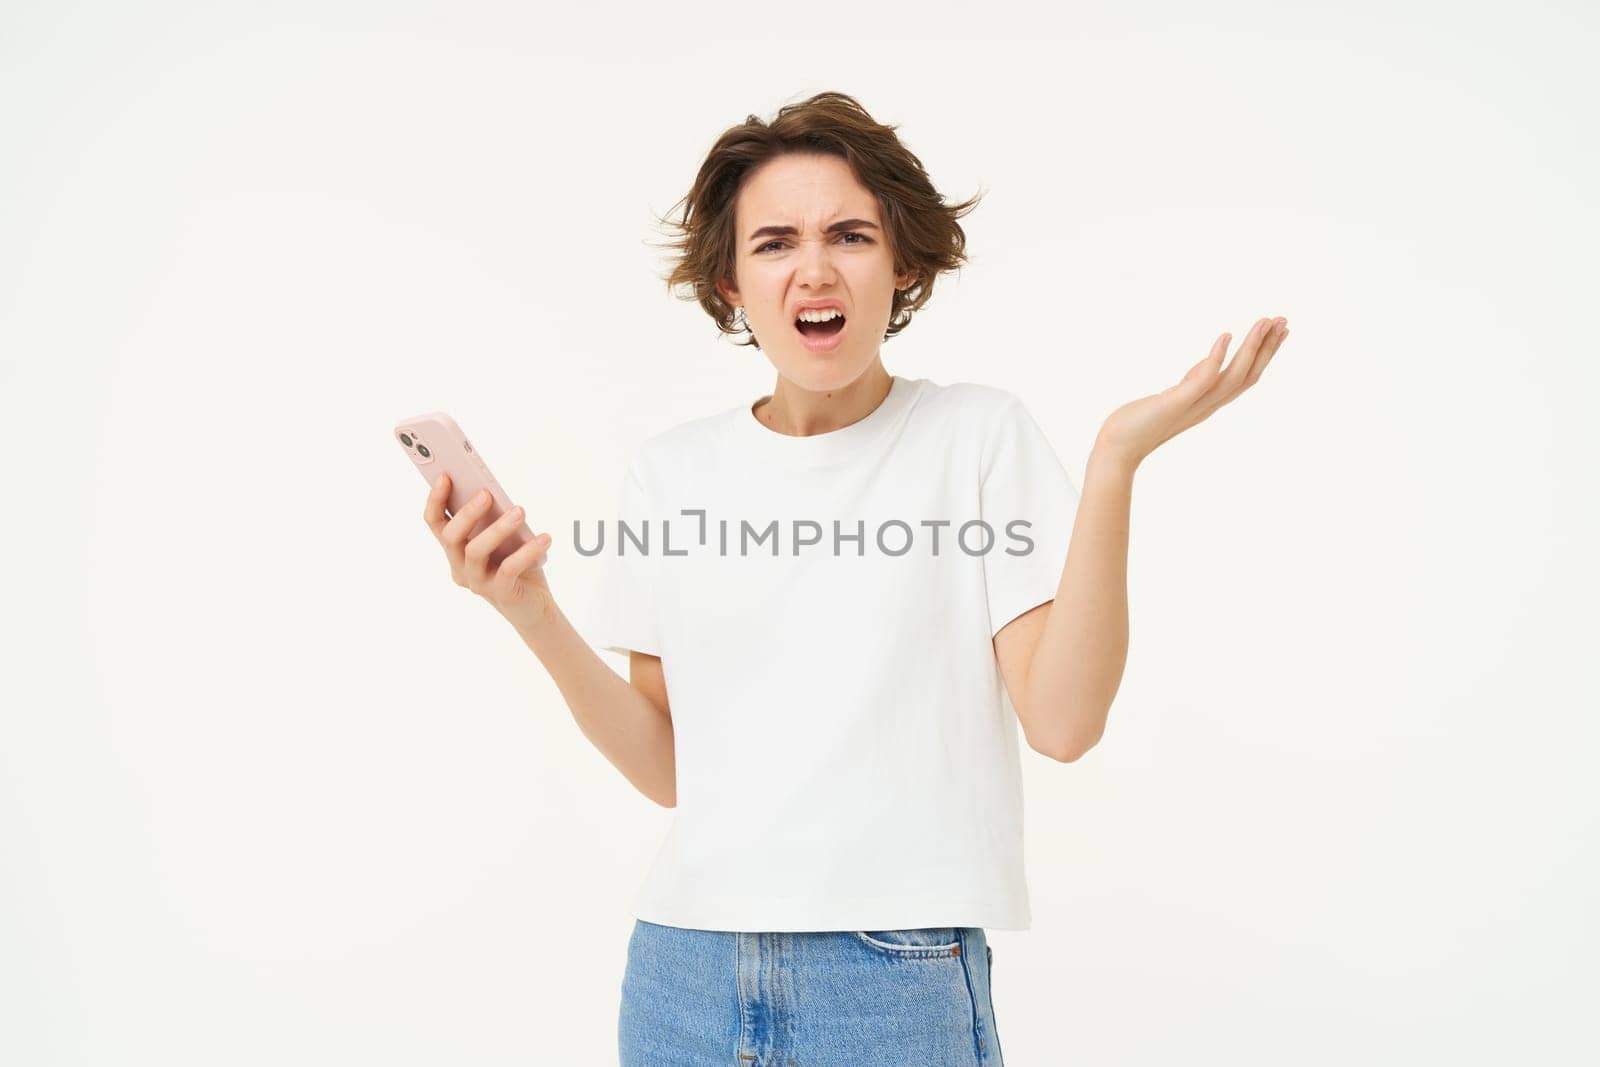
836 998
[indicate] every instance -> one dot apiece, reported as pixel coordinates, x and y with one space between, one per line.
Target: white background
273 790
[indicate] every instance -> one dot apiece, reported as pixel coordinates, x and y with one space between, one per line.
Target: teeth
819 316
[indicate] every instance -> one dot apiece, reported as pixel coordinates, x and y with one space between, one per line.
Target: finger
488 539
462 522
1222 388
433 511
1249 348
523 560
1263 352
1231 381
1213 359
1268 351
1202 376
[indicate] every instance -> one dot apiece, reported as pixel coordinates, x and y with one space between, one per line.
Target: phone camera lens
423 449
405 439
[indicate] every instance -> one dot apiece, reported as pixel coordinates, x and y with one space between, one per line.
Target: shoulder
965 400
999 425
685 446
980 409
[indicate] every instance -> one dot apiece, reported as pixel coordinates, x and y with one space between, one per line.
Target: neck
799 412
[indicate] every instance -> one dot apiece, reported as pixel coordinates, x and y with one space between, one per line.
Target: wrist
1113 460
535 619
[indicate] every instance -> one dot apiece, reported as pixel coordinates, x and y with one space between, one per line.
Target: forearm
1082 649
618 719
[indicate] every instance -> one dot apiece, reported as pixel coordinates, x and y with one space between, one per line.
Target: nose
815 264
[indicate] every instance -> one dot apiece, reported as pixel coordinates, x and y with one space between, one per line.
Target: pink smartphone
437 446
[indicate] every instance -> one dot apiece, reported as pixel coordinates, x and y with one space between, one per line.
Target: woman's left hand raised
1136 429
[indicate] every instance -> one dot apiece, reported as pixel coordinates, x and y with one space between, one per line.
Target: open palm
1138 428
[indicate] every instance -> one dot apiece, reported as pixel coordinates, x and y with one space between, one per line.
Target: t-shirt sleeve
1029 500
622 609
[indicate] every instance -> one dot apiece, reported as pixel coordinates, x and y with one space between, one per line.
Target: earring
739 319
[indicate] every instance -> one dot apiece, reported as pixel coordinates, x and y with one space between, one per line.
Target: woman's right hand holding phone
517 587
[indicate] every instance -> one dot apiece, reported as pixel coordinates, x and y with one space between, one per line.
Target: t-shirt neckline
829 447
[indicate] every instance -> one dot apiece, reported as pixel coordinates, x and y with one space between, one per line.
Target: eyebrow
786 231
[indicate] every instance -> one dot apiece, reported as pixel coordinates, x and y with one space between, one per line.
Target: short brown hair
923 235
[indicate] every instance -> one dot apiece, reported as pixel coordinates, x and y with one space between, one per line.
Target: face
807 231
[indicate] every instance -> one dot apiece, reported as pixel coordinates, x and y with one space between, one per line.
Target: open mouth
820 329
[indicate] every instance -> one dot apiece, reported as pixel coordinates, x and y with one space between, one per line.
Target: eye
848 233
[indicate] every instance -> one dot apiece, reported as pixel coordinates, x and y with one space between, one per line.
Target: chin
820 373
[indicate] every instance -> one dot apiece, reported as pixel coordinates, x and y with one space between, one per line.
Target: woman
840 588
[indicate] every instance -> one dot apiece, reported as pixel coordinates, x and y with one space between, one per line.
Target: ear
727 291
904 279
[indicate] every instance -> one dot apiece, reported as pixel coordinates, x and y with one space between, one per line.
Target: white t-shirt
847 756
